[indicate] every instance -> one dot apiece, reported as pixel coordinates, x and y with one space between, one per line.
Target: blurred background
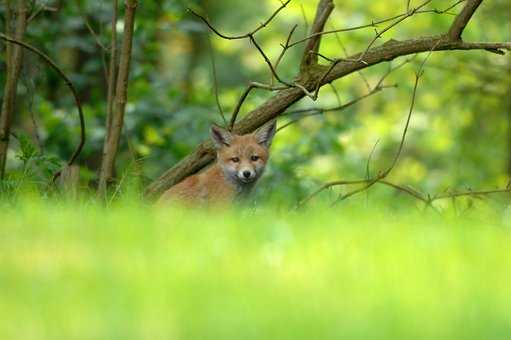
460 133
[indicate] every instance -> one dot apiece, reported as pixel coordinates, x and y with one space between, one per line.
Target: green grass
131 272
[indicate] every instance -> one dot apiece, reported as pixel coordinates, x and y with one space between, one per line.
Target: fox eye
254 158
235 159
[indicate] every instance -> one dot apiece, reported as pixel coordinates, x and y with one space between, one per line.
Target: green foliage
130 272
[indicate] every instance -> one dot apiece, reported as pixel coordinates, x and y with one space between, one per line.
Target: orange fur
240 162
207 186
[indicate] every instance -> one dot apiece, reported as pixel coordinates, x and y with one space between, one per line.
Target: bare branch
368 183
251 86
462 19
91 30
68 83
314 111
374 24
268 62
284 49
427 199
469 193
42 8
251 37
319 111
394 48
360 58
323 11
215 81
241 36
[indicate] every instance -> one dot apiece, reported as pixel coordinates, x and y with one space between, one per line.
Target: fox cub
240 162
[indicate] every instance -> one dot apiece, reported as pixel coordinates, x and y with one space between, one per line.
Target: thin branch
345 51
91 30
268 62
250 87
469 193
319 111
368 183
68 83
284 50
241 36
215 81
383 175
374 24
462 19
372 90
378 35
251 37
42 8
323 11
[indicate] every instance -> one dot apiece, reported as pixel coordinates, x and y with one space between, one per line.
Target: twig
368 183
284 49
43 7
268 62
323 11
91 30
378 35
374 24
250 87
215 81
241 36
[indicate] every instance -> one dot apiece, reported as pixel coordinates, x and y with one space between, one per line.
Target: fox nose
247 174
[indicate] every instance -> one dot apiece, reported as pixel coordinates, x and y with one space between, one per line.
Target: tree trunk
117 119
14 61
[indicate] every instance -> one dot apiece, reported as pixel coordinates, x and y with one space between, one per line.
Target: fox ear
220 136
265 133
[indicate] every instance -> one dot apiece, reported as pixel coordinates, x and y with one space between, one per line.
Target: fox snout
247 174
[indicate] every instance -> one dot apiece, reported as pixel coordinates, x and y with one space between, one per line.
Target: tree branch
374 24
323 11
461 21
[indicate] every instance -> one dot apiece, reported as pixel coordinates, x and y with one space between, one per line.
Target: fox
240 163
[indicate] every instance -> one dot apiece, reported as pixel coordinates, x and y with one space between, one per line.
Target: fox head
243 158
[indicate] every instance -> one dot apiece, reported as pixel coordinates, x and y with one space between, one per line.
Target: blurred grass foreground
132 272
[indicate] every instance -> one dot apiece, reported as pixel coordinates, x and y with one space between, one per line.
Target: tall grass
129 271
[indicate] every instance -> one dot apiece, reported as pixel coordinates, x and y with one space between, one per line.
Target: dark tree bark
14 61
117 119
